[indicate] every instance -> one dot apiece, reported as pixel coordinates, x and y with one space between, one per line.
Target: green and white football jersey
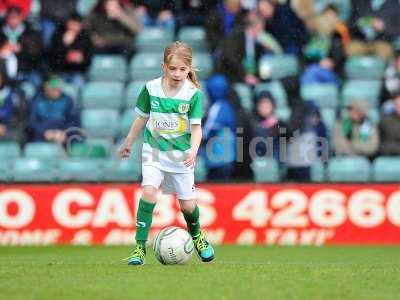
167 133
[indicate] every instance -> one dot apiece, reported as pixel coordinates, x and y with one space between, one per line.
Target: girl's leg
144 216
191 214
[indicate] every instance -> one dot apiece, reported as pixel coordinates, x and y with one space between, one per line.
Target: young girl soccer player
170 112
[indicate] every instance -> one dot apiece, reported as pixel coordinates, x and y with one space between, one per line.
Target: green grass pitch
238 273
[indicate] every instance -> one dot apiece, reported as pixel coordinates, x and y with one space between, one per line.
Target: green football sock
192 221
144 218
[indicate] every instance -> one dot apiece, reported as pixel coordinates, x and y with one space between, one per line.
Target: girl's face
176 71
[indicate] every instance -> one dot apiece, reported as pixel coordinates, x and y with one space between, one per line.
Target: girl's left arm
196 136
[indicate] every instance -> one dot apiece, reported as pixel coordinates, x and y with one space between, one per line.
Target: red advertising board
275 214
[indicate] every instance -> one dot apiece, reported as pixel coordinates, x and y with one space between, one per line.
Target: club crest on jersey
183 108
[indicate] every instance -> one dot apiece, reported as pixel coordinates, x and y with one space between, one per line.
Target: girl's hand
190 161
124 150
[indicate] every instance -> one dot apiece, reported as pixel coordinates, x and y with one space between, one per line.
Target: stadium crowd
315 78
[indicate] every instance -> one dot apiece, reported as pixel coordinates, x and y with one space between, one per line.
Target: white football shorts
180 183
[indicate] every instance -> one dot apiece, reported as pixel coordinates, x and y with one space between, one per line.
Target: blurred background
318 79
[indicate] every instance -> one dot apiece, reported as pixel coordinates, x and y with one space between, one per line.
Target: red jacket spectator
25 5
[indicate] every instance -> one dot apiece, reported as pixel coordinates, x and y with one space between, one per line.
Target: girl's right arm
136 129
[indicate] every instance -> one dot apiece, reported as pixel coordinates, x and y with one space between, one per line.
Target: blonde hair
184 52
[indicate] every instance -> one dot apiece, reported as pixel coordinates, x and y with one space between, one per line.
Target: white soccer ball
173 246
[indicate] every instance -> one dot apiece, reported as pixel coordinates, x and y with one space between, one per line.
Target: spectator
156 13
390 130
329 38
242 49
25 6
392 76
308 141
71 50
53 13
374 25
8 60
52 113
219 131
222 21
25 43
283 24
7 109
356 134
323 72
112 26
268 126
193 13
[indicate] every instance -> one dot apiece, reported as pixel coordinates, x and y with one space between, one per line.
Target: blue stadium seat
323 95
368 90
132 93
125 170
102 95
365 67
202 61
318 172
194 36
5 170
100 123
349 169
126 121
245 95
145 66
278 66
153 39
386 169
328 116
265 170
9 151
44 151
33 170
81 170
108 68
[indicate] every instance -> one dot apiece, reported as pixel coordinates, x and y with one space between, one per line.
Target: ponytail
193 78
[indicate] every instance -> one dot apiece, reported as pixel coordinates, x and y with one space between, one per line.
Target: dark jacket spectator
52 113
329 37
281 21
242 49
71 47
268 126
390 130
57 11
6 107
307 141
356 134
113 26
221 22
219 130
193 13
26 43
374 25
156 13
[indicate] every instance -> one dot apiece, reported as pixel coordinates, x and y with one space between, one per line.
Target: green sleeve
143 102
196 108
